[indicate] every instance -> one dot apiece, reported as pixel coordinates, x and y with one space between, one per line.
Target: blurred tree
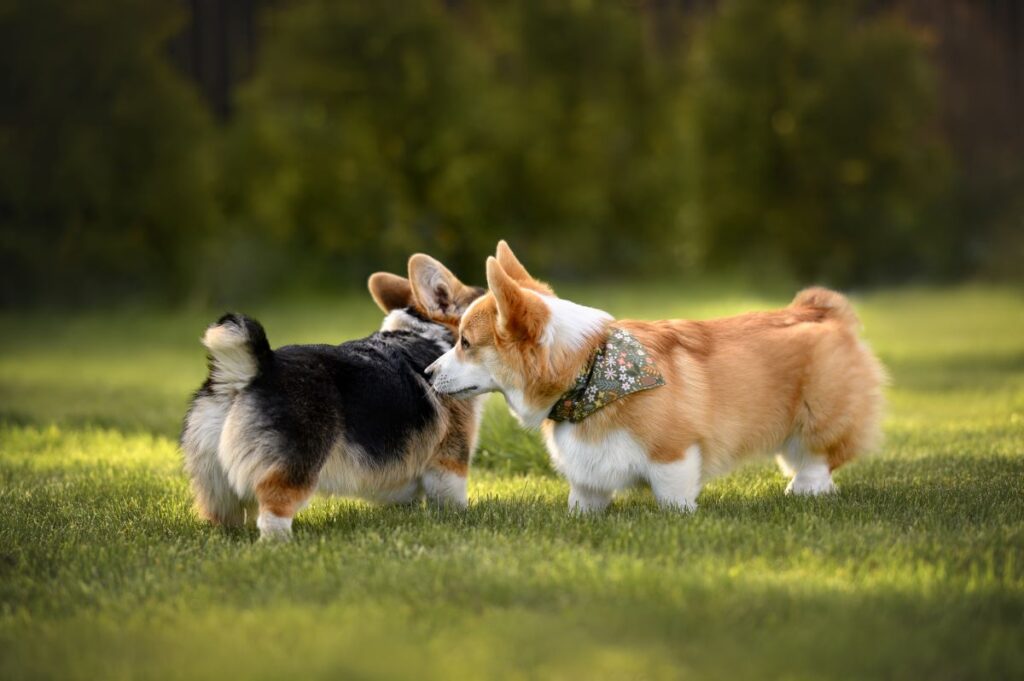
105 179
795 138
590 159
815 142
359 140
980 58
369 133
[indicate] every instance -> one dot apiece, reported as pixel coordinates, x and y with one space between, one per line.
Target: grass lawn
915 570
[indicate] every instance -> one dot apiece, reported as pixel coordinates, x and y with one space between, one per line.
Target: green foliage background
790 139
107 159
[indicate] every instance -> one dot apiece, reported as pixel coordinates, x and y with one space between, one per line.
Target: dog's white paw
584 500
811 485
678 505
274 528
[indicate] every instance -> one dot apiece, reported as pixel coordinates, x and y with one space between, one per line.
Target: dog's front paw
585 500
678 505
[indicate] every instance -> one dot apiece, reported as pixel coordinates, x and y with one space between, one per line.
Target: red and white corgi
673 402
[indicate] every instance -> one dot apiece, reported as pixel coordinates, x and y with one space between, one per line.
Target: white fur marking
400 320
677 484
571 324
233 363
274 527
451 375
810 472
529 417
445 488
585 500
615 462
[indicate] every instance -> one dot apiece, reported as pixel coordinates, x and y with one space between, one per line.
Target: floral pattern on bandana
619 368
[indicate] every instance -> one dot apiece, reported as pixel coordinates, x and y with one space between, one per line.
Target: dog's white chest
611 463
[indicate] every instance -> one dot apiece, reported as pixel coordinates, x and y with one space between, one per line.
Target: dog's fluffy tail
833 304
238 351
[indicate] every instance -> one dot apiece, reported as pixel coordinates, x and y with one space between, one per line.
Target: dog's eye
464 343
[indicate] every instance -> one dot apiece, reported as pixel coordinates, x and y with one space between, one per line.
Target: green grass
915 570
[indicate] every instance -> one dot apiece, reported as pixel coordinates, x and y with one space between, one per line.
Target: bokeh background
222 151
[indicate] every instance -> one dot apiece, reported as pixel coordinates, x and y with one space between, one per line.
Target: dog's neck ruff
619 367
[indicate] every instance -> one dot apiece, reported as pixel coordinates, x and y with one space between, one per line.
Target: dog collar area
618 368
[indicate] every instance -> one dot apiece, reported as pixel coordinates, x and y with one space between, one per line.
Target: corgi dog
269 428
671 403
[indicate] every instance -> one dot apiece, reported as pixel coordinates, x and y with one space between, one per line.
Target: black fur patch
371 392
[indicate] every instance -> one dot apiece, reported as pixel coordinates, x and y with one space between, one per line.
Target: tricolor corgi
269 428
674 402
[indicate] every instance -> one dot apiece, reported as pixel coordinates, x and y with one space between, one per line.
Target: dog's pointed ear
390 291
515 269
510 263
522 315
438 292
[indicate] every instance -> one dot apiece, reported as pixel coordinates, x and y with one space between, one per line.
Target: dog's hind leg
216 501
676 484
444 483
279 500
809 473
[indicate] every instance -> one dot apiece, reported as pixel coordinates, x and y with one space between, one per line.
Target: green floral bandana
618 368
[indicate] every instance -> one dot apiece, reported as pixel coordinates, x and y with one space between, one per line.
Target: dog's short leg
583 499
445 484
215 499
279 500
676 484
274 527
809 472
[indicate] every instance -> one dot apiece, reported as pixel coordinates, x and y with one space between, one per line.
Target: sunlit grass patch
913 571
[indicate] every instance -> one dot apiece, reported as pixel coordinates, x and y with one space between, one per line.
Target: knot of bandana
618 368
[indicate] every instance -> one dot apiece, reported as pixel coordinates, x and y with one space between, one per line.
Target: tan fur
460 468
431 289
741 385
390 291
277 495
734 386
454 452
437 293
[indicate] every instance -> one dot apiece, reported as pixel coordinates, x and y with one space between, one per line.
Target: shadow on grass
719 629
